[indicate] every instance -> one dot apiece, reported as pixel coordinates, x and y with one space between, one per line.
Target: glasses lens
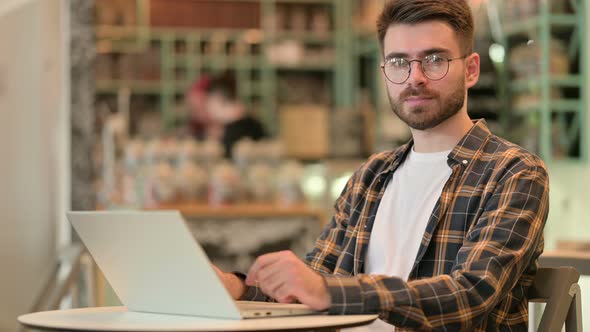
397 70
435 67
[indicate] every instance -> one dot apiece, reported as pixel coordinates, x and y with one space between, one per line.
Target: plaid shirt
479 252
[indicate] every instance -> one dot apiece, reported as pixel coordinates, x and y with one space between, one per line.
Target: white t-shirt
402 216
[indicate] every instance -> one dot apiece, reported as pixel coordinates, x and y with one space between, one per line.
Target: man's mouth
418 100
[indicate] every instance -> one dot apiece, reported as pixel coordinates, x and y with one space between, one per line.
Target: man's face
420 102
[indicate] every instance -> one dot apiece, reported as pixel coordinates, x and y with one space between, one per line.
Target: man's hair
224 85
455 13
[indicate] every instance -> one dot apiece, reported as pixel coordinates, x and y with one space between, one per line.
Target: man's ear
472 66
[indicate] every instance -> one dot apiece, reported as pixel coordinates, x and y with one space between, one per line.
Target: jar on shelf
225 186
289 191
162 184
192 182
261 183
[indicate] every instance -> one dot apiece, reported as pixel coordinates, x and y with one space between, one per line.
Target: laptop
154 265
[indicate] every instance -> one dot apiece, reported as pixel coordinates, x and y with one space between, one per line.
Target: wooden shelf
534 23
305 37
136 86
555 106
200 210
321 66
534 84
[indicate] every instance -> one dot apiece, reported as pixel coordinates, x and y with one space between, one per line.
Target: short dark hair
224 85
456 13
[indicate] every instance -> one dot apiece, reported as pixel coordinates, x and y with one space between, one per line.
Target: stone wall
82 54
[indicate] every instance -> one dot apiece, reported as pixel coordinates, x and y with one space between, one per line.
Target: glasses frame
422 68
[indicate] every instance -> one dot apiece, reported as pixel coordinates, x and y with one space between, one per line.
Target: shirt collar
467 148
463 153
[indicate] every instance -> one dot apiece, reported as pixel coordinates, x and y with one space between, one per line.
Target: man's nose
417 76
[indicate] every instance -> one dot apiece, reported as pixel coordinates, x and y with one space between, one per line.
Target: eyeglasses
435 67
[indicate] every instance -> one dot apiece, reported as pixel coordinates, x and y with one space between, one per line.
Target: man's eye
435 59
397 62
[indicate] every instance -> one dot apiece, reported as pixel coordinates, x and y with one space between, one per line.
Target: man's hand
286 278
232 283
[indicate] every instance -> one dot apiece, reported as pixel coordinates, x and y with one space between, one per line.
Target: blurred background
248 116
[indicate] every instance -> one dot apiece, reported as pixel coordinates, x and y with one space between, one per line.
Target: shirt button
465 162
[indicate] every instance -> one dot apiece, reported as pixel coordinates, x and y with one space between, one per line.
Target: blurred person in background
200 125
441 234
225 108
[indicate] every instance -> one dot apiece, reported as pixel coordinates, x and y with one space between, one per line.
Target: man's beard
427 117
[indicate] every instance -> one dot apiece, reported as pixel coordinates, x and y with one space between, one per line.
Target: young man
443 233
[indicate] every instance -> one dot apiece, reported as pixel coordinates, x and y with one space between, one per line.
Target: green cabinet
318 44
544 75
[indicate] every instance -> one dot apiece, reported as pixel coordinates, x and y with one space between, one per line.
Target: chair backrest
558 287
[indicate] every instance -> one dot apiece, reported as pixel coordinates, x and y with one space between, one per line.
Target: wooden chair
558 288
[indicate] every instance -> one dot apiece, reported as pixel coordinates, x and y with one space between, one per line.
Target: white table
119 319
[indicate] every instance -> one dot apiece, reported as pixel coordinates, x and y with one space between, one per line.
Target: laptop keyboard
247 305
